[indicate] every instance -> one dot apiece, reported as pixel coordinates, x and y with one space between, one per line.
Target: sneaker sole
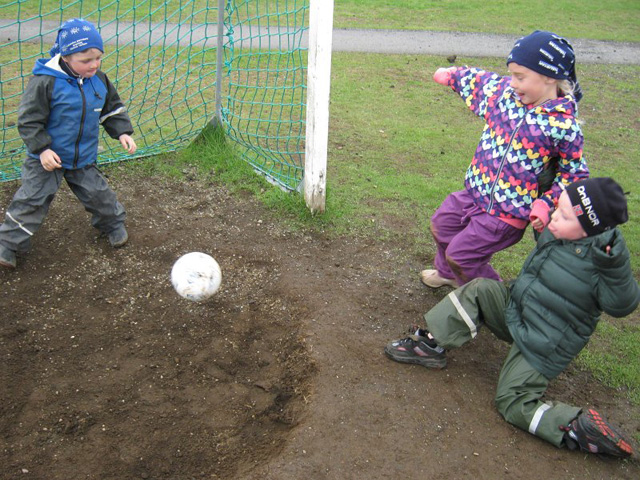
610 433
119 244
429 362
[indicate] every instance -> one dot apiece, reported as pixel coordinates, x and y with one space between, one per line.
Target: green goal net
177 65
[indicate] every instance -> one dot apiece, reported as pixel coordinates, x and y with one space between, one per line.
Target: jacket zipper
84 108
530 261
504 157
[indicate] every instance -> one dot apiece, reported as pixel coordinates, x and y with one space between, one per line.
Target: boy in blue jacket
58 119
579 268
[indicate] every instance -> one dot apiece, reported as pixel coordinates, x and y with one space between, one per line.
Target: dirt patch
108 374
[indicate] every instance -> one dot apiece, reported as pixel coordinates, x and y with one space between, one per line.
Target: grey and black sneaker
417 349
591 433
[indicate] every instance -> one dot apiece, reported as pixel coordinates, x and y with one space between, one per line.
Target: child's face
532 87
86 63
564 223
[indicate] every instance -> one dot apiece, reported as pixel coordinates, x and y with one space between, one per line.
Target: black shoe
416 349
591 433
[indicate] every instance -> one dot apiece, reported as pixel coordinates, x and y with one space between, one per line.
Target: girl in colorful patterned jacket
530 129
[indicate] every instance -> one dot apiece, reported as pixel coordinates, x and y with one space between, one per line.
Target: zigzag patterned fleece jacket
518 142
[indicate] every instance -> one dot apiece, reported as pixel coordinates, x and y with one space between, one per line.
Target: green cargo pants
458 318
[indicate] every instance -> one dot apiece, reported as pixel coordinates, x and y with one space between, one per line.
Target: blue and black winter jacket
63 113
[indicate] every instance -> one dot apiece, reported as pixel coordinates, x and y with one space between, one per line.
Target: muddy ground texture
107 374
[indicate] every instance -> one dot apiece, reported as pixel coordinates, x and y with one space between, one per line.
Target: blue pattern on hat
76 35
549 55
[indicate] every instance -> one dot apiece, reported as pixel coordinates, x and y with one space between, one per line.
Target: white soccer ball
196 276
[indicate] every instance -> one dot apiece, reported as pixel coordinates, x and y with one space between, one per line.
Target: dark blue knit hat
549 55
76 35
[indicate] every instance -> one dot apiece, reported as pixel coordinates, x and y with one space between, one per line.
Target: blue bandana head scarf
549 55
76 35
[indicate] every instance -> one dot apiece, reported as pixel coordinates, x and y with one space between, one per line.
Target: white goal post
318 89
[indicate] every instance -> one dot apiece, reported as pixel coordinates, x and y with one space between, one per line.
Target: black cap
599 204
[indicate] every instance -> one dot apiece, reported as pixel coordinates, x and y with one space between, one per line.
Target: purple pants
467 238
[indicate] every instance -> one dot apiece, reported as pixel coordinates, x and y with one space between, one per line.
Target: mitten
540 211
443 75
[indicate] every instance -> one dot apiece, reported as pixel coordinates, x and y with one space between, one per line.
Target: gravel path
347 40
471 45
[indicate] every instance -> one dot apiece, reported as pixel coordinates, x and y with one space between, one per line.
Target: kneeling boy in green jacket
579 268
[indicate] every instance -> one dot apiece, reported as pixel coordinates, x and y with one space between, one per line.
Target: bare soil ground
107 374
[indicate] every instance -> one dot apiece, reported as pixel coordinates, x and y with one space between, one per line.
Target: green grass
572 18
613 357
617 21
262 12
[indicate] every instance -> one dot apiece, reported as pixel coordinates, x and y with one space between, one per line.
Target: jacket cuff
38 151
540 210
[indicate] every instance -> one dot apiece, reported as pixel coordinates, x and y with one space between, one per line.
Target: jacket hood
49 66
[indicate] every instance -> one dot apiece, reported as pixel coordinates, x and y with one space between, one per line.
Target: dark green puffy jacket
563 287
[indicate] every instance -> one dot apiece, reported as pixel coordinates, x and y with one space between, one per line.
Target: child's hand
538 225
539 216
127 143
50 160
443 75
